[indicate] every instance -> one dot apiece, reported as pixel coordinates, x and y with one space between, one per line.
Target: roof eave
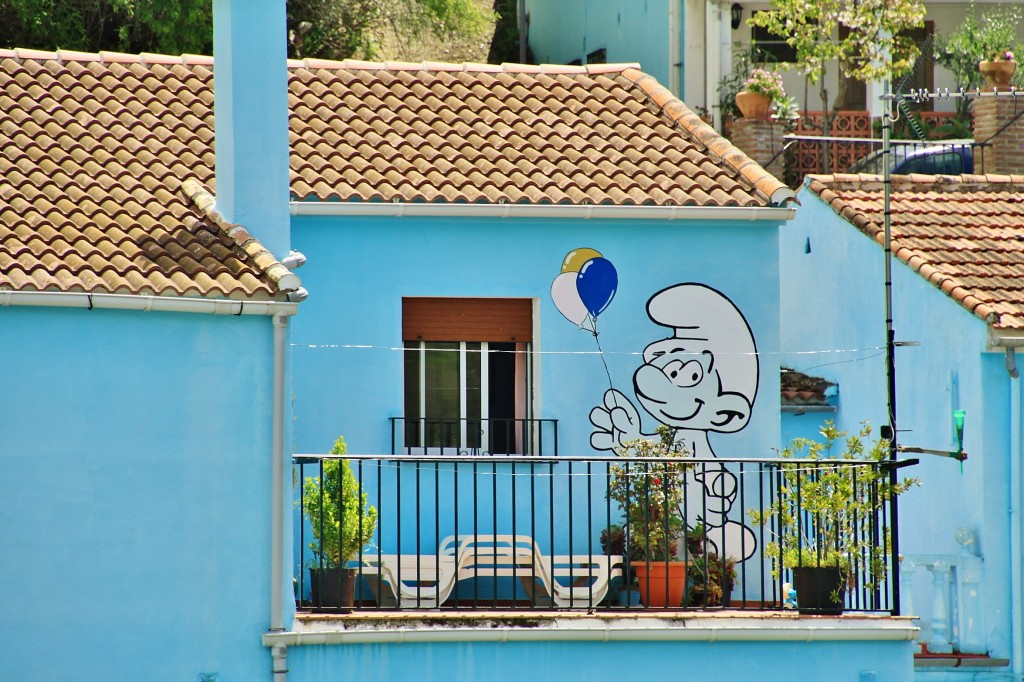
772 214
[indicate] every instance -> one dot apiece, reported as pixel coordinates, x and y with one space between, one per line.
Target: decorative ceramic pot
753 104
997 73
661 583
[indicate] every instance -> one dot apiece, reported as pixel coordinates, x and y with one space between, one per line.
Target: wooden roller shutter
467 319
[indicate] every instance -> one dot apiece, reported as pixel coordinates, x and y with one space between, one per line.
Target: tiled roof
964 234
92 159
95 151
803 390
605 134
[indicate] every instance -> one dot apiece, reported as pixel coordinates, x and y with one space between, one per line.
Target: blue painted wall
631 32
558 661
833 303
346 346
345 352
135 495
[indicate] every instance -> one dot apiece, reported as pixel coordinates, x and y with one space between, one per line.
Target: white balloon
567 298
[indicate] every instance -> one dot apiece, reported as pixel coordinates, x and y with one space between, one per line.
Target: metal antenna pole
890 335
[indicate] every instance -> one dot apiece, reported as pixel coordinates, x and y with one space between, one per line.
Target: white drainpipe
1009 343
1016 615
279 651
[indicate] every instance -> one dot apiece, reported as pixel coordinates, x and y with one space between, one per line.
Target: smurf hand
616 421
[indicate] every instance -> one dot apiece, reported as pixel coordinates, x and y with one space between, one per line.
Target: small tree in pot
827 514
650 491
342 523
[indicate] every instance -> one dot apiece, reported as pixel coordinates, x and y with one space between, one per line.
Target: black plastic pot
332 588
817 589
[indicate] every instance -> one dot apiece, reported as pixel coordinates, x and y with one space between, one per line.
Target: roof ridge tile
284 278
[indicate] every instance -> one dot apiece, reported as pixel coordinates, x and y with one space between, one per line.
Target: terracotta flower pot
661 583
997 73
753 104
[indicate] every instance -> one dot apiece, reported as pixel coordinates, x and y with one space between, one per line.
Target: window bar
398 509
437 533
568 483
607 529
533 522
380 524
463 442
551 503
416 527
455 525
590 537
515 530
485 391
302 531
743 545
422 416
494 524
476 529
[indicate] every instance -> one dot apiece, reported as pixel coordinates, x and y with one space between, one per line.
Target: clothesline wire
600 352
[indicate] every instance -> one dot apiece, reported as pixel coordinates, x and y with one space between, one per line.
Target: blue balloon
596 284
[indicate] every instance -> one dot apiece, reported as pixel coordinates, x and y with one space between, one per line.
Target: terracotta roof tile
964 234
113 152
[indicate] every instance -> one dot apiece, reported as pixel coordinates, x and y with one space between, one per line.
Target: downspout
1016 614
1009 343
278 651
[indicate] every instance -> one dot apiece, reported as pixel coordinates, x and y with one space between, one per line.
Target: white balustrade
949 604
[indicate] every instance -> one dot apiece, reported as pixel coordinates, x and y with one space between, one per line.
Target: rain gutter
167 304
587 212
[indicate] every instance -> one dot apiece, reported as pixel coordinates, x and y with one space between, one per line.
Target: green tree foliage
979 36
329 29
872 49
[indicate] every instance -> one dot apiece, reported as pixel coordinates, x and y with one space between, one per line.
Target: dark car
948 158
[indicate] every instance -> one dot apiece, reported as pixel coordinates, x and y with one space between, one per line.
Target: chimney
250 81
998 123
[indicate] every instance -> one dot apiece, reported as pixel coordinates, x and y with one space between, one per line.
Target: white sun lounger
564 581
412 580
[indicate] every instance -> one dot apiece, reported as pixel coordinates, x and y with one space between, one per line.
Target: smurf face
679 385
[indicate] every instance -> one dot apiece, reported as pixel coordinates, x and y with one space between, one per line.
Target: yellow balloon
575 259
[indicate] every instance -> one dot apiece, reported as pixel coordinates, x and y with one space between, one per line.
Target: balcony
530 534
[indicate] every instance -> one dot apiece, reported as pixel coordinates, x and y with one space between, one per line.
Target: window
769 47
467 375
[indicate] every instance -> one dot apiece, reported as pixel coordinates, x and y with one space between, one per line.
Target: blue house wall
135 513
346 345
833 304
563 31
348 364
554 661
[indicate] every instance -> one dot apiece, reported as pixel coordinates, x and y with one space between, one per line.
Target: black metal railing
810 154
544 533
492 436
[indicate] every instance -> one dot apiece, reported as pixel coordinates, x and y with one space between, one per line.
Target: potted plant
978 38
649 490
342 524
826 516
711 577
998 68
613 543
761 91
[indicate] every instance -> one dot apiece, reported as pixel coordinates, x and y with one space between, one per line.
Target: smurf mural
700 378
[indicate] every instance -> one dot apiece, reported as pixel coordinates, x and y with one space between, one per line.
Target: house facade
440 208
689 46
957 323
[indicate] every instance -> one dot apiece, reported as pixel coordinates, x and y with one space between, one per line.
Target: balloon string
604 362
